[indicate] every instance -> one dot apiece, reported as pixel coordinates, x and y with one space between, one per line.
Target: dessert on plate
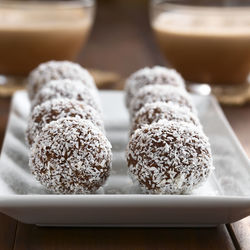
69 152
168 151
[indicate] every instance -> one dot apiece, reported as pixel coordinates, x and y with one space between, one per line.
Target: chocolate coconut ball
71 156
156 111
57 70
67 89
160 93
151 76
55 109
169 157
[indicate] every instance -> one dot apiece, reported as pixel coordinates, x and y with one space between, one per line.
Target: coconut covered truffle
151 76
67 89
169 157
160 93
55 109
154 112
57 70
71 156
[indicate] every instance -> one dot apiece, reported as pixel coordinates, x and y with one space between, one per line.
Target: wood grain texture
240 232
35 238
7 232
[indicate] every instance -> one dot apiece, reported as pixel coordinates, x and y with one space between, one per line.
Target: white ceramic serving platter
224 198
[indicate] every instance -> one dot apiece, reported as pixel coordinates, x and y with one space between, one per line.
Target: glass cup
32 32
207 42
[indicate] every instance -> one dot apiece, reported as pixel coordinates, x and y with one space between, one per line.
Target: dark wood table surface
121 41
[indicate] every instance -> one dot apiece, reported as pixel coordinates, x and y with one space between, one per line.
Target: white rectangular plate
224 198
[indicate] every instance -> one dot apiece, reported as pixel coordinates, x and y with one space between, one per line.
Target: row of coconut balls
69 152
168 151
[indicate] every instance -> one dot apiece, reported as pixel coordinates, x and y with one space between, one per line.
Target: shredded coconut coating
151 76
169 157
67 89
160 93
71 156
57 70
154 112
55 109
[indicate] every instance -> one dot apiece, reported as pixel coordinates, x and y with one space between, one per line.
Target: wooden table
121 41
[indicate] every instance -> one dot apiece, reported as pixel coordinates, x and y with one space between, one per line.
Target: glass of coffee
207 42
32 32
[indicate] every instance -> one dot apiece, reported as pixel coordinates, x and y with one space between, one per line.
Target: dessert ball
169 157
57 70
160 93
156 111
151 76
71 156
66 89
55 109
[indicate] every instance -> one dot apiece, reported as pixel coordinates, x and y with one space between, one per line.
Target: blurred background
205 42
119 43
121 39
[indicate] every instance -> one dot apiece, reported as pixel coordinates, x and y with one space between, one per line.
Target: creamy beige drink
206 45
34 34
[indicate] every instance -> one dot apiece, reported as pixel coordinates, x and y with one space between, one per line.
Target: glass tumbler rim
46 4
223 4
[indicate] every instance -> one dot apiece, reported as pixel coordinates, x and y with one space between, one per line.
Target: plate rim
213 101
